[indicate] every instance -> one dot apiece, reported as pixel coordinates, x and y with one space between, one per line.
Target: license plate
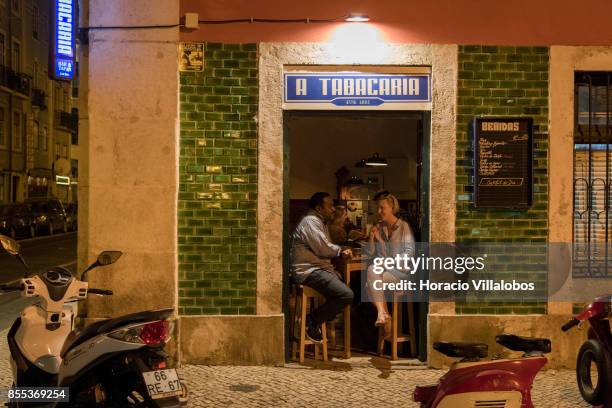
162 383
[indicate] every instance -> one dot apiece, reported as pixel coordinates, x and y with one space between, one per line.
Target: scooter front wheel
592 355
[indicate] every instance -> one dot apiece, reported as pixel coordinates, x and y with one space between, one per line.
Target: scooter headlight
158 332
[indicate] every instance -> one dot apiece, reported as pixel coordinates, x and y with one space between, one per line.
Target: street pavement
39 253
11 305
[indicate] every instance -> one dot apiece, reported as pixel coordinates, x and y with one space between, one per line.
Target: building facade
35 111
210 177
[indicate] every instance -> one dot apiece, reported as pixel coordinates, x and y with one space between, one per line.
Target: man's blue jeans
337 294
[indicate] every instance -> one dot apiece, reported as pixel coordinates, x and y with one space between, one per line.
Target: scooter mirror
10 245
109 257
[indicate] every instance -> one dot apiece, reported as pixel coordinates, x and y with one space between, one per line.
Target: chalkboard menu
503 156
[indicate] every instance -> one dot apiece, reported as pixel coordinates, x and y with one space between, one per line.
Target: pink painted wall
516 22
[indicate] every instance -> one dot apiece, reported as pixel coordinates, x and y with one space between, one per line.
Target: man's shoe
313 330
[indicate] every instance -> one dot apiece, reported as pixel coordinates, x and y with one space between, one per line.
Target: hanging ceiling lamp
361 163
376 161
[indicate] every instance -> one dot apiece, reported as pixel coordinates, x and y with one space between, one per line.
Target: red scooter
594 363
491 383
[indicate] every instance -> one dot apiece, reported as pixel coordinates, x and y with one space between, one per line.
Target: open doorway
329 151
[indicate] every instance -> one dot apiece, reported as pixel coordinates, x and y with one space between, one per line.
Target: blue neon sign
63 58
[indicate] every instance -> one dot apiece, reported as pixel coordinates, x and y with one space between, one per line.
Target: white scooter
117 362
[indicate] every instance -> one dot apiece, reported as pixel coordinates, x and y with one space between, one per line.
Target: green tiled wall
218 183
502 81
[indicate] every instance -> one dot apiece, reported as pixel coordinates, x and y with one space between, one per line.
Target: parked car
17 220
49 215
71 216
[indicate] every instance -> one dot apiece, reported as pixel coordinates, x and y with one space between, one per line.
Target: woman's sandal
387 330
382 319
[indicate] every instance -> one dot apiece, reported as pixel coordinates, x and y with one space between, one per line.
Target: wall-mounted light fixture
357 18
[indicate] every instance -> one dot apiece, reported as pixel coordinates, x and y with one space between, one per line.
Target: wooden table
346 267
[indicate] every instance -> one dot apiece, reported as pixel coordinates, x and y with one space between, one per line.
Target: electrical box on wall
190 21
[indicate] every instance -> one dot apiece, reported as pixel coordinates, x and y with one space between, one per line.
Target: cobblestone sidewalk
299 386
357 387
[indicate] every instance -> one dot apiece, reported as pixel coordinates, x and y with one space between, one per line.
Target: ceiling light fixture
357 18
376 161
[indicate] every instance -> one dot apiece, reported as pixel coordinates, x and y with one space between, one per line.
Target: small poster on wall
191 57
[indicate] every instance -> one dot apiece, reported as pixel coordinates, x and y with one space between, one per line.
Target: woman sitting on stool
389 237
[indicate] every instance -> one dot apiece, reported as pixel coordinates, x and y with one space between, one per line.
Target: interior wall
321 144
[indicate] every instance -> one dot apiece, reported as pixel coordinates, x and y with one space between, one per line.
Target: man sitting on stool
311 254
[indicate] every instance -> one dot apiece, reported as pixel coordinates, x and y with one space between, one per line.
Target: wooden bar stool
332 333
397 334
306 297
